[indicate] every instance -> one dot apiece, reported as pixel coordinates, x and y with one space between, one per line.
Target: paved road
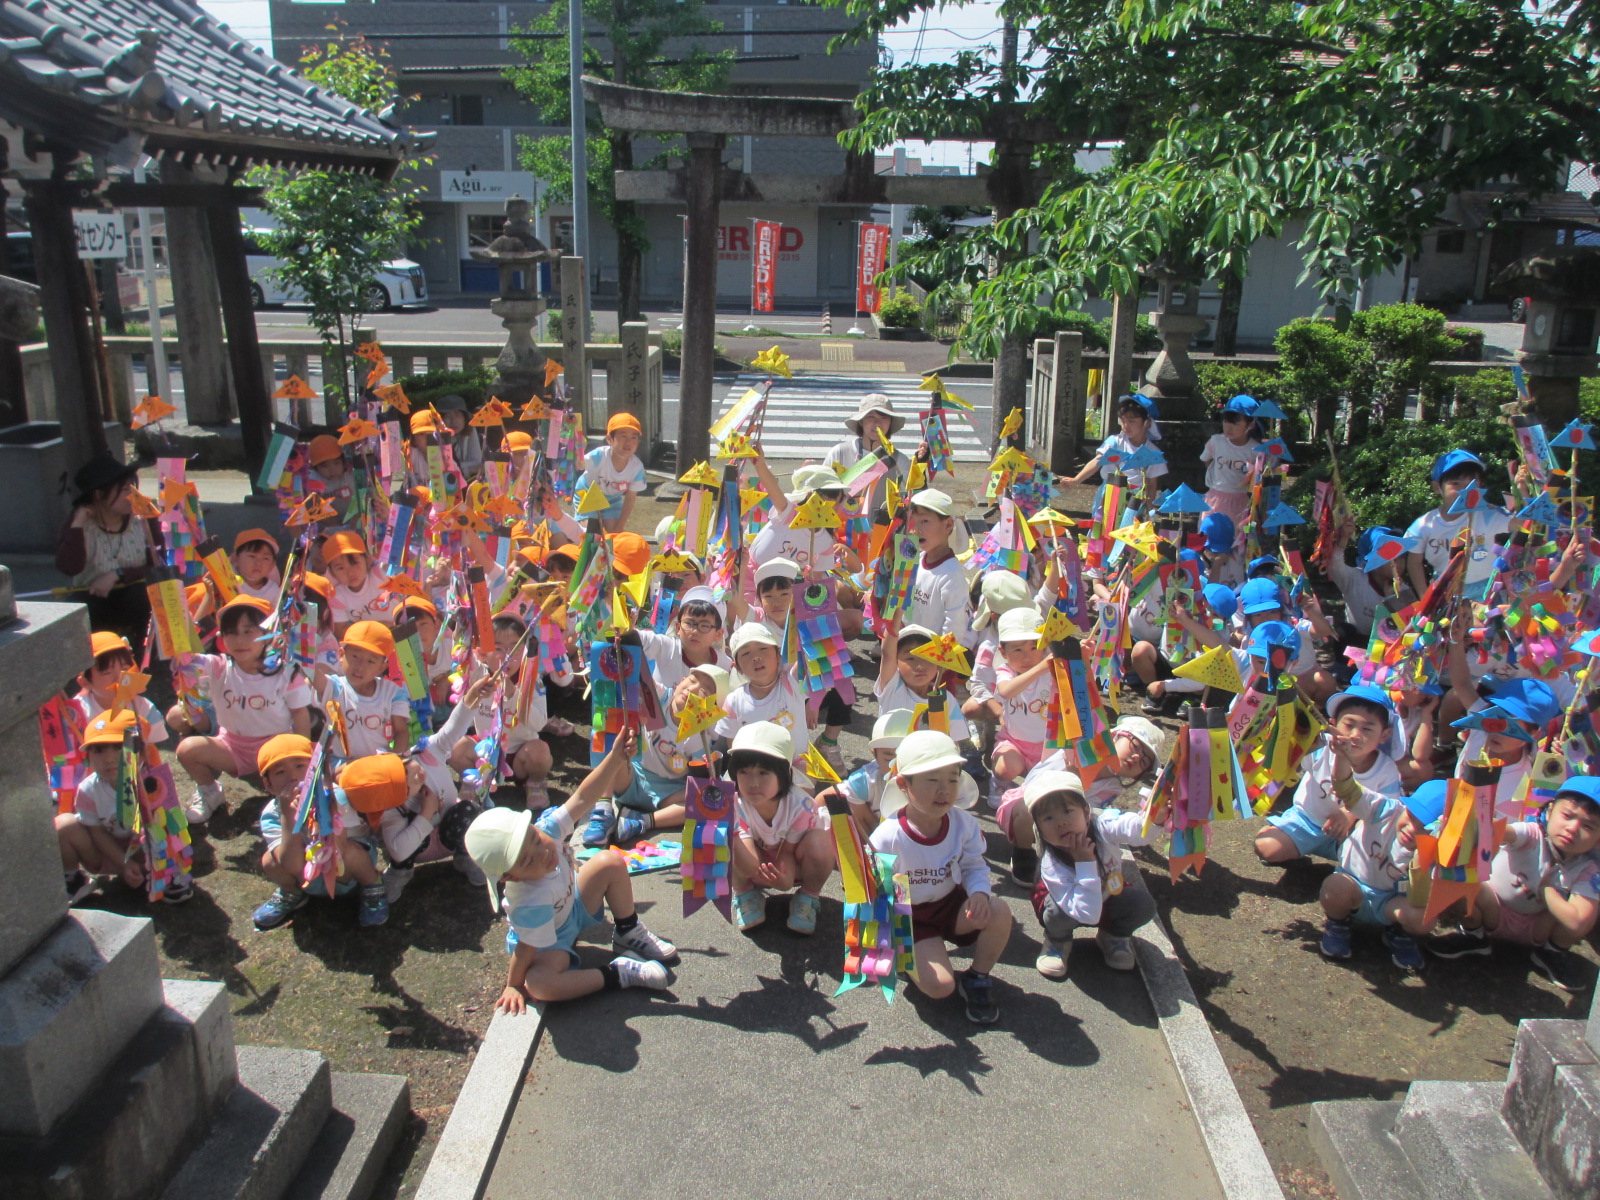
750 1079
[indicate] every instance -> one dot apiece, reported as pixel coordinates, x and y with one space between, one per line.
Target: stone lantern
517 252
1177 319
1562 324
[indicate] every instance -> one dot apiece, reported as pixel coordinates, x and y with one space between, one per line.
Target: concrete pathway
750 1079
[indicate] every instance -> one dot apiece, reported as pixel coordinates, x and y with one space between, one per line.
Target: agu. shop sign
468 187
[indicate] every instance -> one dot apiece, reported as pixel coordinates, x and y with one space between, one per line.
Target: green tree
635 35
336 230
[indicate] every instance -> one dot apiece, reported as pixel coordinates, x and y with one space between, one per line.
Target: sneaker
79 884
1164 706
1561 967
177 893
632 828
280 906
1118 951
1052 960
560 727
374 909
803 910
395 880
637 973
1460 942
750 909
1336 939
602 824
205 803
640 941
978 991
1024 866
536 795
473 872
1403 949
832 756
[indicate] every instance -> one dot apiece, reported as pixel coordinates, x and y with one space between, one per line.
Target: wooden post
1119 371
704 196
197 308
631 391
575 333
65 304
244 346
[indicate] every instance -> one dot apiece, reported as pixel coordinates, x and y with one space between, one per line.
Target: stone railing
128 357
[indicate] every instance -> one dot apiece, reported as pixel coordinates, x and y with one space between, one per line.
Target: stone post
631 392
704 196
575 333
1119 370
197 306
1066 401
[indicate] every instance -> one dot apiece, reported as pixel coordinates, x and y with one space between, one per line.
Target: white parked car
400 282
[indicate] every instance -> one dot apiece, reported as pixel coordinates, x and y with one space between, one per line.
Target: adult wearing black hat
104 549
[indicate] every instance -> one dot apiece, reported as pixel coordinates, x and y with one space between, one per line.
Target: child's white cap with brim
1002 591
1146 732
766 738
933 500
1019 625
891 728
777 568
719 677
1040 784
494 841
922 751
751 633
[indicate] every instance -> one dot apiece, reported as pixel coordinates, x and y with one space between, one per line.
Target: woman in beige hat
874 416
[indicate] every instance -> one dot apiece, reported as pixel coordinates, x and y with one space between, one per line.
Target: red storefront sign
764 264
874 246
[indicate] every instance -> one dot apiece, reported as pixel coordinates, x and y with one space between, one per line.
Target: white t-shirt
848 453
268 591
784 705
537 908
1527 864
253 706
1117 444
980 684
614 481
1372 853
1435 532
939 600
368 604
893 692
813 548
155 725
1228 467
665 652
936 866
797 816
1315 795
367 718
1024 717
96 804
864 786
1076 887
1361 599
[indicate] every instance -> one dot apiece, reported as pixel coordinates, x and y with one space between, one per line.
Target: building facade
451 55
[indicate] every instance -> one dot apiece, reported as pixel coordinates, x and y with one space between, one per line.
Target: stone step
1543 1047
135 1123
264 1133
1355 1141
1461 1147
369 1115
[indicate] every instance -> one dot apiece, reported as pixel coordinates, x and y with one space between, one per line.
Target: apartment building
450 55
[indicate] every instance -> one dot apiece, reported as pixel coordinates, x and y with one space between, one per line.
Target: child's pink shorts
1515 926
244 750
1031 752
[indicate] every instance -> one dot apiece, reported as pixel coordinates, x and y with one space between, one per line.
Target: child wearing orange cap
255 562
358 593
424 614
617 469
426 430
92 839
368 783
113 658
251 704
375 709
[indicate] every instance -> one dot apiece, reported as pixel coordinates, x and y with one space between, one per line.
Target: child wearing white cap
999 592
551 902
768 693
939 597
694 638
784 836
907 681
863 787
938 847
1083 878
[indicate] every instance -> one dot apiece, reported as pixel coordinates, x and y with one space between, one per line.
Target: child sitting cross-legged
1083 879
551 901
783 837
939 848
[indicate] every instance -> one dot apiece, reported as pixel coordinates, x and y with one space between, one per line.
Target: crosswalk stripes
806 415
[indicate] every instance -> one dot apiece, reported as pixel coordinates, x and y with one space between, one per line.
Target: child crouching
1082 877
783 838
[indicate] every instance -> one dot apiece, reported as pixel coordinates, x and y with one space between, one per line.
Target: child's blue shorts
1307 836
1372 902
578 921
647 791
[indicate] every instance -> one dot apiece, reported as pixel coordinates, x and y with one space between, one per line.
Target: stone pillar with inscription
575 335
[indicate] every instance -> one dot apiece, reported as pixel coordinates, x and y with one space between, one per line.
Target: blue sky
944 32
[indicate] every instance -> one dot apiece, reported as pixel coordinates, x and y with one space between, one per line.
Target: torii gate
706 122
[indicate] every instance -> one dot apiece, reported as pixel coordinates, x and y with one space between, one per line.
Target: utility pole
580 147
1007 191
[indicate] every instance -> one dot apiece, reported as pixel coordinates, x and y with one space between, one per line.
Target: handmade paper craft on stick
706 868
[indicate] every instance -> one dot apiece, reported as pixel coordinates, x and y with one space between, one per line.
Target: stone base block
207 447
1568 1154
1542 1047
1355 1141
264 1132
67 1010
1461 1147
139 1118
369 1115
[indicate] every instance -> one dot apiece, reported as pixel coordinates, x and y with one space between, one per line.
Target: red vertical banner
874 247
764 264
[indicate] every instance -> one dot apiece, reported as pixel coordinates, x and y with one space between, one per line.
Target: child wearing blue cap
1230 460
1544 888
1504 719
1362 589
1136 422
1154 669
1365 733
1224 561
1453 472
1262 600
1375 853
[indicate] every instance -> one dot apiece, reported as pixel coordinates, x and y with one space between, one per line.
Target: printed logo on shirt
247 701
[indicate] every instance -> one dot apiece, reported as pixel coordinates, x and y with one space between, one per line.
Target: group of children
385 711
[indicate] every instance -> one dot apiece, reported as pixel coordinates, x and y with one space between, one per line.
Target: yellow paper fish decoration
395 397
533 410
495 412
736 446
699 714
773 360
945 651
552 369
818 512
295 388
818 767
355 429
1012 423
1215 668
593 500
702 474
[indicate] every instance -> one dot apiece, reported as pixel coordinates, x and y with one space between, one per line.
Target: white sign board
468 187
100 235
